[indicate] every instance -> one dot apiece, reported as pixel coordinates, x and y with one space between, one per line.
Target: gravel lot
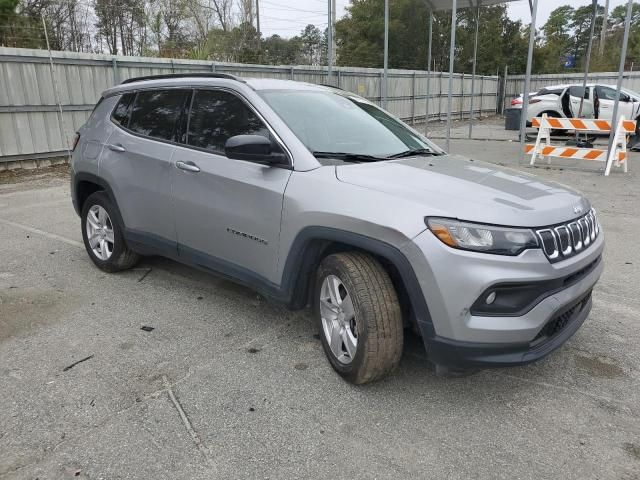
228 386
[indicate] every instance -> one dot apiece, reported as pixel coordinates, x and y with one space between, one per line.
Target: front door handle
116 148
188 166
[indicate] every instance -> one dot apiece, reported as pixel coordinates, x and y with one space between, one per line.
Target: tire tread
378 305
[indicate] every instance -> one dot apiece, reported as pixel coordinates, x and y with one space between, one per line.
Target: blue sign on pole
570 62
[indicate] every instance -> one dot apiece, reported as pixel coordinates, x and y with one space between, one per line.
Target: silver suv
314 196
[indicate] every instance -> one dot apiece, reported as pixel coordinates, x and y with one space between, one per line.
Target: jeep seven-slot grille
568 239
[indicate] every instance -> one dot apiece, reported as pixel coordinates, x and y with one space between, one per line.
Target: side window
216 116
608 93
156 112
121 113
578 91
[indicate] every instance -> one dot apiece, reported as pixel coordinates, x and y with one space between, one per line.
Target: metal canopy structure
453 5
445 5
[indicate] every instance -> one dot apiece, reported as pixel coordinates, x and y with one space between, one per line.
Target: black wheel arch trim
96 180
305 253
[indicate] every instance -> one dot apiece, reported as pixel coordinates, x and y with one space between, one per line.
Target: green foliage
567 33
14 28
7 9
281 51
224 30
360 37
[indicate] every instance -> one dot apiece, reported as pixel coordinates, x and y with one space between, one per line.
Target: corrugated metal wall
30 124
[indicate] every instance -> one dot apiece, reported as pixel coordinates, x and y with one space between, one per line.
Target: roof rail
183 75
330 86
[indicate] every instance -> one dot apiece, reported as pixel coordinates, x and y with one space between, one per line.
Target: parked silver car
314 196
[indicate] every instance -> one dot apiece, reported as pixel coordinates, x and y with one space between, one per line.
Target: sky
287 17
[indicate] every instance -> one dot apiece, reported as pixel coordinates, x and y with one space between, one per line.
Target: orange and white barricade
543 148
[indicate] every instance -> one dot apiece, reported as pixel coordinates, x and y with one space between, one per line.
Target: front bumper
465 355
452 280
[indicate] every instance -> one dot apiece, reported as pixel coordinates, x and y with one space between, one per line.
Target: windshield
326 121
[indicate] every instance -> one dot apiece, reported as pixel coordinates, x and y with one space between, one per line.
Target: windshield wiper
354 157
413 152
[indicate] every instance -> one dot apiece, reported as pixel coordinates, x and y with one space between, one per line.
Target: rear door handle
188 166
116 148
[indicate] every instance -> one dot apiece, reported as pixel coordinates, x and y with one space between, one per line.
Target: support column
623 56
329 44
527 78
473 75
386 53
452 52
426 112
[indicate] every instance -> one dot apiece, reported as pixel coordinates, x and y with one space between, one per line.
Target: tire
374 322
555 132
110 253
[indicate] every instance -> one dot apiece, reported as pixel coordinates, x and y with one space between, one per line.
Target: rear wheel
555 115
358 316
102 235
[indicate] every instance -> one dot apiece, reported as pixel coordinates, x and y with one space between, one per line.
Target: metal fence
515 84
31 125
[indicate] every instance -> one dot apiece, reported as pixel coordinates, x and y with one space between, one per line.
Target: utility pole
54 79
258 22
603 31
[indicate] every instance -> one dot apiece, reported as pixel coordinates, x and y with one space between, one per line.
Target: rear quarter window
155 113
122 111
547 91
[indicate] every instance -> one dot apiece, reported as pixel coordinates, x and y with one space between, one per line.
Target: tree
281 51
311 40
557 43
581 26
360 37
615 32
7 16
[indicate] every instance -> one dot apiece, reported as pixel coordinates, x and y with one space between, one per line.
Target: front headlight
482 238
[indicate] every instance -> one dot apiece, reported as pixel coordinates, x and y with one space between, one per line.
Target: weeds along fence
39 112
515 84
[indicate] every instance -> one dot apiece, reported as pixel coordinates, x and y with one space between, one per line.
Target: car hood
457 187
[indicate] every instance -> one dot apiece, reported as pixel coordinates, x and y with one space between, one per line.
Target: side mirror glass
253 148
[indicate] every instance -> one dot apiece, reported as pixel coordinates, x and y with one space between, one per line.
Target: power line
276 6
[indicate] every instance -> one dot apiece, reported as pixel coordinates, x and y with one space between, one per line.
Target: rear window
121 113
578 91
155 113
550 91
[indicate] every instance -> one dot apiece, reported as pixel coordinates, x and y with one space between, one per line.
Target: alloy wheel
338 319
100 232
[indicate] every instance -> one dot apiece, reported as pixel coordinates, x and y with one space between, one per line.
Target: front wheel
358 316
102 235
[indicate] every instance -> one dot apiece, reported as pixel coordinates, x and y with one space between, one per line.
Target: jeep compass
314 196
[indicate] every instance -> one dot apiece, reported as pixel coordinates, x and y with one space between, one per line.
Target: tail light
74 144
519 101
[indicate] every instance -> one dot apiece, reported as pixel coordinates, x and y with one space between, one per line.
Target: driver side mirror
254 148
